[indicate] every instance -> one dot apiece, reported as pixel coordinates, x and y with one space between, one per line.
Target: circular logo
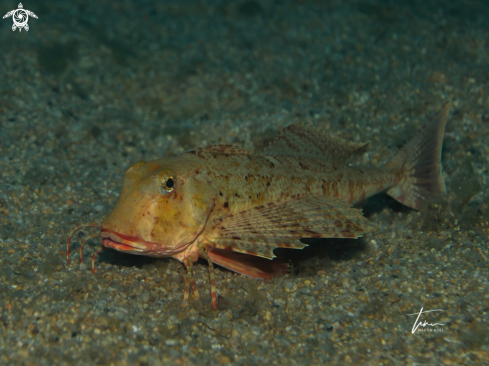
20 18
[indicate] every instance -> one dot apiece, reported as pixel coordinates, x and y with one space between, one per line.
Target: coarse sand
94 86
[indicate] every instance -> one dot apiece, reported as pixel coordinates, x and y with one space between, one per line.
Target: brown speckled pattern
259 230
273 199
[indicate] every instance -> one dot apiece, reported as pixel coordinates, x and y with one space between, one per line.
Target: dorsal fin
223 149
306 141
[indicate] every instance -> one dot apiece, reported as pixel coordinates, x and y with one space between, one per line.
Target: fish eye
168 184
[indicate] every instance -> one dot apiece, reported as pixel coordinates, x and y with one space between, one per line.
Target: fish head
163 207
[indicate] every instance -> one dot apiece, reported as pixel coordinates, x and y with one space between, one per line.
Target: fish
232 207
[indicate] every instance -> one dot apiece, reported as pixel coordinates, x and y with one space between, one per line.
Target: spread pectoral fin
259 230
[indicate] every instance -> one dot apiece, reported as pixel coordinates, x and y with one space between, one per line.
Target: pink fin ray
259 230
306 141
420 161
247 264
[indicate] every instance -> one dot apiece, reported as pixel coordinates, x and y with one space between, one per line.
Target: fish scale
288 178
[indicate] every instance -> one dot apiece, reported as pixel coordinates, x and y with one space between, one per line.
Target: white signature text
423 323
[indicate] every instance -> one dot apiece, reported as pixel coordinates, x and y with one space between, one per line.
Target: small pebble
323 315
171 342
289 286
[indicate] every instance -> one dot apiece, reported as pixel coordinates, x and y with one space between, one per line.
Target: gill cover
164 221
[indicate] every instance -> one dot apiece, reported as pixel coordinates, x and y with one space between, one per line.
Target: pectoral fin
259 230
247 264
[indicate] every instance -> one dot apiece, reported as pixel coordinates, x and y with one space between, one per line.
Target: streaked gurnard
233 208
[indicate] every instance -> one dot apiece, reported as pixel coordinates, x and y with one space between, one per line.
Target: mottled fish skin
247 181
231 207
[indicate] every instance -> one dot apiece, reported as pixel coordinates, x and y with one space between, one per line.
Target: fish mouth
130 244
123 243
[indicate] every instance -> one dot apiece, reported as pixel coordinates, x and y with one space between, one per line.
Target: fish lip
109 243
131 244
113 240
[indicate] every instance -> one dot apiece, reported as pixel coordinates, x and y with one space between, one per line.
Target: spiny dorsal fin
223 149
306 141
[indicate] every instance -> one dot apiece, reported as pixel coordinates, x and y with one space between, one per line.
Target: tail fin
420 161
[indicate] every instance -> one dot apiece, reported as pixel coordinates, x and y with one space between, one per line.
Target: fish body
233 208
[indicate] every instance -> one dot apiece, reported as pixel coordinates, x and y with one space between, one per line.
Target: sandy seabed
93 87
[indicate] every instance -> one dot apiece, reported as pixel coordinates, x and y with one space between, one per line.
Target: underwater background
94 86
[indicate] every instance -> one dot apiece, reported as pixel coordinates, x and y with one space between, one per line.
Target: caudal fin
420 161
